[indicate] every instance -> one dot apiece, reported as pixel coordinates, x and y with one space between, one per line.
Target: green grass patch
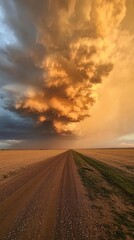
122 219
92 183
112 175
118 180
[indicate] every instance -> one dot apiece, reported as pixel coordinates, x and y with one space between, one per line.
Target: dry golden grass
14 161
119 158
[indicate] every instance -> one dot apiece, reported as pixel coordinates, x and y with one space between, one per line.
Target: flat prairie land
67 195
13 162
122 158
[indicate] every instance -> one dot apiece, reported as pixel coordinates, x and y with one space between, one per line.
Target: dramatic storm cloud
61 64
56 54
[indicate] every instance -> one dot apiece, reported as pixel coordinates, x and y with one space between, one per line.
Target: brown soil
47 201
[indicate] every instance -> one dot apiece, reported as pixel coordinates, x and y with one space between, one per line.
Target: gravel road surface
47 201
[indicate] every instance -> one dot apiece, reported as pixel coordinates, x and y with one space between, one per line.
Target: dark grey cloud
54 56
12 126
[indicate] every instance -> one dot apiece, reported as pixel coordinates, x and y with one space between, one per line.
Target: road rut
45 202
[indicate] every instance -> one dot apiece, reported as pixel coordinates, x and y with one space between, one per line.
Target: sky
66 73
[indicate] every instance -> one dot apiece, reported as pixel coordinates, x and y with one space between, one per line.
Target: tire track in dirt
45 202
19 207
72 221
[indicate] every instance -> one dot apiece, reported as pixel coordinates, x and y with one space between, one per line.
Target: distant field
15 161
119 158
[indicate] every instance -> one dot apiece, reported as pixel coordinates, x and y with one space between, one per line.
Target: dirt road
47 201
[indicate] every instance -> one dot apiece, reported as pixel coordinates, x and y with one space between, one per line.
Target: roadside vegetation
105 183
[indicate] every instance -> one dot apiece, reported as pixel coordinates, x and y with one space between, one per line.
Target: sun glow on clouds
7 143
79 42
127 140
68 49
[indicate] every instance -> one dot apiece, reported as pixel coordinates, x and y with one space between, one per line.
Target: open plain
67 195
13 162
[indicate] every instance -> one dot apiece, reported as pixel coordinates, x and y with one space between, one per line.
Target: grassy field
122 158
111 192
13 162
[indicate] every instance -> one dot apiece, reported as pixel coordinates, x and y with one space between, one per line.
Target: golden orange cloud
80 50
